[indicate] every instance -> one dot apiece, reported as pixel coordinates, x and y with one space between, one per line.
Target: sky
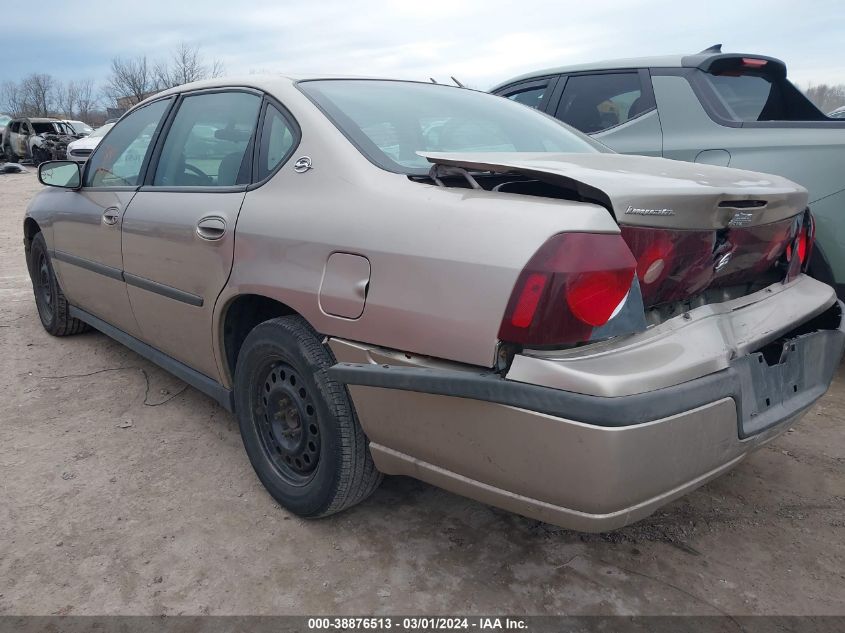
481 42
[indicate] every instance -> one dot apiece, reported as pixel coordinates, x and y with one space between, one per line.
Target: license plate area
782 380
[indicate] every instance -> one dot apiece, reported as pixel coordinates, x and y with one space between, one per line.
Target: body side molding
133 280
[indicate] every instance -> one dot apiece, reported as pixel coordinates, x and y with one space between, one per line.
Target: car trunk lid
689 226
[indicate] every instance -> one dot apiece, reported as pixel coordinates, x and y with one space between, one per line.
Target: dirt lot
123 491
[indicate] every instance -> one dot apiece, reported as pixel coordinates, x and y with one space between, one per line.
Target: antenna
432 80
457 83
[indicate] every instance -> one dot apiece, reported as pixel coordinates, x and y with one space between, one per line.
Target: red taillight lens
574 283
751 62
802 246
806 239
673 265
594 297
529 298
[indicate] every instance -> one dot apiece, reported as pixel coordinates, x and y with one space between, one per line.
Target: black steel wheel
53 308
290 434
298 424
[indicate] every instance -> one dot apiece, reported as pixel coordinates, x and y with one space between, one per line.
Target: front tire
298 424
53 308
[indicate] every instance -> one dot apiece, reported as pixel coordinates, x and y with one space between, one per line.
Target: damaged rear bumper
583 461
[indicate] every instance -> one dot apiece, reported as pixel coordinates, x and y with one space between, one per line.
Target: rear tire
38 156
298 424
53 308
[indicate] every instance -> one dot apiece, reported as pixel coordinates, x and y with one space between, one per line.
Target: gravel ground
124 491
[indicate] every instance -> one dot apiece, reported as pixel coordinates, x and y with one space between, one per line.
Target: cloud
479 41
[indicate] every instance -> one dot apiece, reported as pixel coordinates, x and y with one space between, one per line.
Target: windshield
80 127
390 121
101 131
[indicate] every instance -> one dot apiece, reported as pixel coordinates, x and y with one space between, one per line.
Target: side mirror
60 173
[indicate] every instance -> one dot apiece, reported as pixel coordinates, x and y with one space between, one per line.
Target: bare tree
185 65
130 79
85 100
67 98
826 97
38 90
11 98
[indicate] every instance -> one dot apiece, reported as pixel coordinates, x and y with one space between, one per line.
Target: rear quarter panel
443 261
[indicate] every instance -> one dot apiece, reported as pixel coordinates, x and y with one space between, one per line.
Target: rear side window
118 160
756 96
278 138
592 103
208 143
530 94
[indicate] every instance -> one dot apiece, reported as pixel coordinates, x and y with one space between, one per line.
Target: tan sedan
406 278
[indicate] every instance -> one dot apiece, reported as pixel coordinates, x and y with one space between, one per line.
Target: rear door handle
111 215
211 228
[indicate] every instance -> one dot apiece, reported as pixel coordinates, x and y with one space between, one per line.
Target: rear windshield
390 121
756 96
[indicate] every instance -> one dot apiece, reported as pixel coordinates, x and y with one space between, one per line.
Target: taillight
806 237
574 283
802 246
751 62
676 264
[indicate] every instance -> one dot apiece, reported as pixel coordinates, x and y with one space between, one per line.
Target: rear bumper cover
806 367
585 462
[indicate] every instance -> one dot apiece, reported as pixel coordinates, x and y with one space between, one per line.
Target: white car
839 113
80 149
79 127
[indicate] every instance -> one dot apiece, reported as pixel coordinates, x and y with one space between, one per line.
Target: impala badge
641 211
741 219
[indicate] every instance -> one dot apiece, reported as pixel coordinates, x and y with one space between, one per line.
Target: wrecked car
731 109
390 277
37 139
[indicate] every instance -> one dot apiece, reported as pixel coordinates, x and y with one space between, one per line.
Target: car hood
85 143
646 191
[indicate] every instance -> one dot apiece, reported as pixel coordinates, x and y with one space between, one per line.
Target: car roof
702 60
266 82
37 119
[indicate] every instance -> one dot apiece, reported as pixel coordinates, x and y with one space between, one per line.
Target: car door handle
211 228
111 215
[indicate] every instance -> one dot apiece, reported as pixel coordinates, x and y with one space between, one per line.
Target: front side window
46 127
592 103
390 121
278 138
207 145
118 160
